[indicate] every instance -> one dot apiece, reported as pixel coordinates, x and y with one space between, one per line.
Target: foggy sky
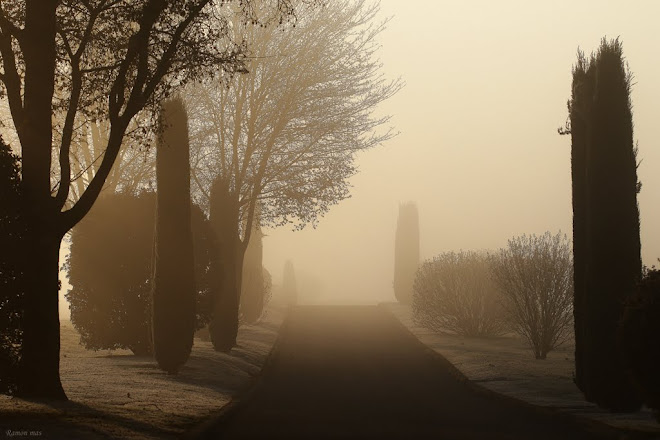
486 89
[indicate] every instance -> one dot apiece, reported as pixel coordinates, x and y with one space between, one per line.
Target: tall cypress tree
579 109
252 285
606 220
406 252
225 270
289 285
173 313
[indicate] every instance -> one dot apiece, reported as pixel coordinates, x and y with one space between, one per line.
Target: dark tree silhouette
579 108
173 295
607 223
289 285
110 290
253 295
11 276
226 270
639 334
110 296
108 60
406 252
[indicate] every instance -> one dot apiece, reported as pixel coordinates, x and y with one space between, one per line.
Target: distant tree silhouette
226 270
454 292
268 288
11 274
607 223
289 285
110 296
406 252
253 293
535 277
173 294
639 332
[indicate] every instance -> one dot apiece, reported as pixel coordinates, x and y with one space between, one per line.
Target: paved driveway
355 372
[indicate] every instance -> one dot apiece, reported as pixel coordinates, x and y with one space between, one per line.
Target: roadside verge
505 366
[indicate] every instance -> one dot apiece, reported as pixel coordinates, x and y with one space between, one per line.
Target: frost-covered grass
506 365
114 394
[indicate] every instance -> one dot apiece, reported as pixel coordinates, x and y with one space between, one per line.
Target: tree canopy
286 135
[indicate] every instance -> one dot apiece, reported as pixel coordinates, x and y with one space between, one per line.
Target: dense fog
478 150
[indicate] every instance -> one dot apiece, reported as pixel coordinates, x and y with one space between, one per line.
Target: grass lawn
114 394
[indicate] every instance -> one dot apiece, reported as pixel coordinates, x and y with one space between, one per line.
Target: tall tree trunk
40 356
39 372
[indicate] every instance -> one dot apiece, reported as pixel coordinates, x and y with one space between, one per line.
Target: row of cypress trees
156 297
173 297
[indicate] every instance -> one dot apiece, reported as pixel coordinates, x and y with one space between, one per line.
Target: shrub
11 292
535 276
454 292
110 298
639 330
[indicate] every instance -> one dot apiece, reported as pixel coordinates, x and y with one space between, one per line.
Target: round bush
454 293
110 272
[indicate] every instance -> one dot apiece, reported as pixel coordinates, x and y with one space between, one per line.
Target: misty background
478 149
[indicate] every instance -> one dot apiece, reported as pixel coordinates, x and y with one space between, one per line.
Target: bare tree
285 136
535 275
134 169
454 292
106 60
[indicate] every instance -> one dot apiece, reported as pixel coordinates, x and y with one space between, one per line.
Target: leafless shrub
454 292
535 276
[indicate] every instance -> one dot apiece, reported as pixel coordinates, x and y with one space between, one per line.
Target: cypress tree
406 252
173 302
226 269
289 287
579 108
608 246
252 285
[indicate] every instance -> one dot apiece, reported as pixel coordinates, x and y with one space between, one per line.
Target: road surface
355 372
